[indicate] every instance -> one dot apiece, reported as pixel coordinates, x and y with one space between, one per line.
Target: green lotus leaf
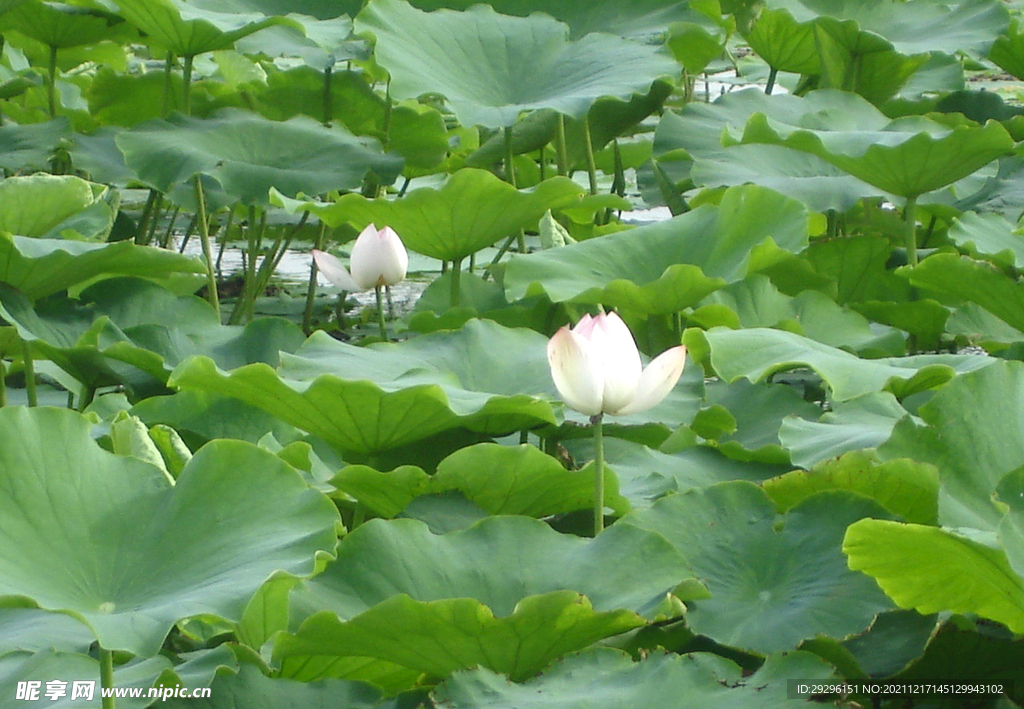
187 29
865 421
370 399
44 205
133 322
211 416
30 147
41 267
471 211
977 282
872 25
904 487
32 630
765 596
931 569
250 688
492 67
989 235
1011 529
509 594
70 507
907 158
508 480
664 267
248 155
643 17
319 9
1007 51
607 679
784 43
972 435
61 25
758 353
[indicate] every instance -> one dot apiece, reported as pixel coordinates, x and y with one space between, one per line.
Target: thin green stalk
391 303
501 252
456 274
223 241
3 384
51 88
380 313
598 424
910 225
328 98
204 235
166 240
29 367
510 168
591 165
561 150
107 676
186 89
168 83
147 213
154 218
189 231
307 314
772 73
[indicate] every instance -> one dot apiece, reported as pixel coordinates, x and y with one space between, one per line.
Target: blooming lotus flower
597 369
378 259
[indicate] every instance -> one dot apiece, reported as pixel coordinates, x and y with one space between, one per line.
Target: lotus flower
378 259
597 370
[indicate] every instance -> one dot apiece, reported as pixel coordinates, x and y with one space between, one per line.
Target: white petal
334 270
657 381
396 258
622 366
585 326
577 371
366 258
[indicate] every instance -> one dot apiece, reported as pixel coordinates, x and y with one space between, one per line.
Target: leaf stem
589 145
186 89
29 367
51 88
107 676
510 168
204 235
307 313
455 291
910 222
598 424
328 98
562 152
380 313
772 73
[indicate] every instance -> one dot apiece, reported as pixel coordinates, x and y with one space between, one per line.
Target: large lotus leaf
784 43
1007 51
931 569
977 282
765 595
509 594
518 480
484 377
33 629
59 25
248 155
1011 529
909 157
320 9
69 508
250 688
210 416
37 205
607 679
641 17
989 235
759 353
973 436
904 487
663 267
492 67
30 147
865 421
911 28
140 324
41 267
471 211
186 29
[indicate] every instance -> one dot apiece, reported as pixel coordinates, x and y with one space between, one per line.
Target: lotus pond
298 496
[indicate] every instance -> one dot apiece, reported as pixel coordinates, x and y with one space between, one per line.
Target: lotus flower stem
29 367
307 313
380 313
456 274
591 165
204 235
598 424
910 220
391 303
563 155
51 87
107 676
